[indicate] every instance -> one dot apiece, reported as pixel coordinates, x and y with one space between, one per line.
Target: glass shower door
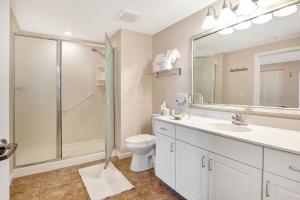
110 101
35 93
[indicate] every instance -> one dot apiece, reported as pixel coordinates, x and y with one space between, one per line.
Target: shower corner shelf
176 70
100 82
100 75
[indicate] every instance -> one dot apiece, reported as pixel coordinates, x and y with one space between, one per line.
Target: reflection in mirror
258 65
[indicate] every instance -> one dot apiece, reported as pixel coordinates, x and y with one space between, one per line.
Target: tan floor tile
66 184
29 194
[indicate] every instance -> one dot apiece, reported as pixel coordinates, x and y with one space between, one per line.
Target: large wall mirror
256 63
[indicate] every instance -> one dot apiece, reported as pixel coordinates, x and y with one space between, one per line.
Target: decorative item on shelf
164 110
198 98
182 100
239 69
164 62
100 75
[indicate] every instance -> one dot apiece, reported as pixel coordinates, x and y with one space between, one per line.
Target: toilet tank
153 122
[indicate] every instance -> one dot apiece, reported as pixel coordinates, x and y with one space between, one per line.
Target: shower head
98 51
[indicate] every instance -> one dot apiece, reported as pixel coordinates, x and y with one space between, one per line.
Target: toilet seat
141 140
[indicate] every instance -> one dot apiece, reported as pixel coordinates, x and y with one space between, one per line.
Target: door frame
256 71
59 41
108 157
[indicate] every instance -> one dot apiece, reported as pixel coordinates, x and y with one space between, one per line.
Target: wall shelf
174 71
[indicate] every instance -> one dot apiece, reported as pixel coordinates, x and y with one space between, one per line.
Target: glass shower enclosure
60 90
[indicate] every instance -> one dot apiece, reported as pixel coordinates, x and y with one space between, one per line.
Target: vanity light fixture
243 25
246 7
68 33
210 19
226 14
226 31
266 3
262 19
285 11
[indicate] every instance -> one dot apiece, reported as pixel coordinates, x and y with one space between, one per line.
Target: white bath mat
101 183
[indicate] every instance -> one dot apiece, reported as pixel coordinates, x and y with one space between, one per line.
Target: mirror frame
291 113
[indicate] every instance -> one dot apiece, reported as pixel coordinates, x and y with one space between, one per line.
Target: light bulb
226 31
246 7
209 22
266 3
67 33
243 25
262 19
226 15
286 11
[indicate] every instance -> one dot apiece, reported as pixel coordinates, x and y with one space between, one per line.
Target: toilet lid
142 138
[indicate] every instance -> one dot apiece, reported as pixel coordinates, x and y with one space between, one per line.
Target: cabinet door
165 159
278 188
191 171
231 180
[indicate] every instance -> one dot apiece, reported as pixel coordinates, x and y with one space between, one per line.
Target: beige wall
134 101
235 93
177 36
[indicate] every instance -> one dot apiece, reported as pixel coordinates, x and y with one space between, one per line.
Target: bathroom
110 100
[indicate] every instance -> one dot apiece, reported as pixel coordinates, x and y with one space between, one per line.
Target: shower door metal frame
58 41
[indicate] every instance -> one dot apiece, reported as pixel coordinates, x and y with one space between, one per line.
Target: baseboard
44 167
123 155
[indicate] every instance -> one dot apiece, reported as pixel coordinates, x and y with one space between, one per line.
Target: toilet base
141 162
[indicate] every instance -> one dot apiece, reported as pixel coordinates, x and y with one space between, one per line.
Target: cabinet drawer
165 128
240 151
282 163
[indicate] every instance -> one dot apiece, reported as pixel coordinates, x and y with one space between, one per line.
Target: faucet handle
237 115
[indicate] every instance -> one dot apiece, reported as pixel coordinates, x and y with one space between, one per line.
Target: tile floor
66 184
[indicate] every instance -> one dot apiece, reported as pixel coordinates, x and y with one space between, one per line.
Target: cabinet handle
203 162
164 129
171 147
210 164
294 169
267 189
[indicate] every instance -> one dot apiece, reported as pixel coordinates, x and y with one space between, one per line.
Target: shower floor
83 148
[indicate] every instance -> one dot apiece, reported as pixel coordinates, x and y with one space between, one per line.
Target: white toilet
143 148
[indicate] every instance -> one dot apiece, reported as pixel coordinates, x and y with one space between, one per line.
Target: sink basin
230 127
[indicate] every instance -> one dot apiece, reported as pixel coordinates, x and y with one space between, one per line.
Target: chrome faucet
237 119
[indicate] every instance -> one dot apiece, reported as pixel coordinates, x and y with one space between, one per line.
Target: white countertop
281 139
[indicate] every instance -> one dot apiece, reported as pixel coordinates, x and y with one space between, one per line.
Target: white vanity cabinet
232 180
191 171
279 188
281 175
165 159
204 166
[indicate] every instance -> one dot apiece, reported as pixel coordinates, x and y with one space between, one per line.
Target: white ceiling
90 19
276 30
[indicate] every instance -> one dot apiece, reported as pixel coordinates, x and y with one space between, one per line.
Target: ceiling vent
127 16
